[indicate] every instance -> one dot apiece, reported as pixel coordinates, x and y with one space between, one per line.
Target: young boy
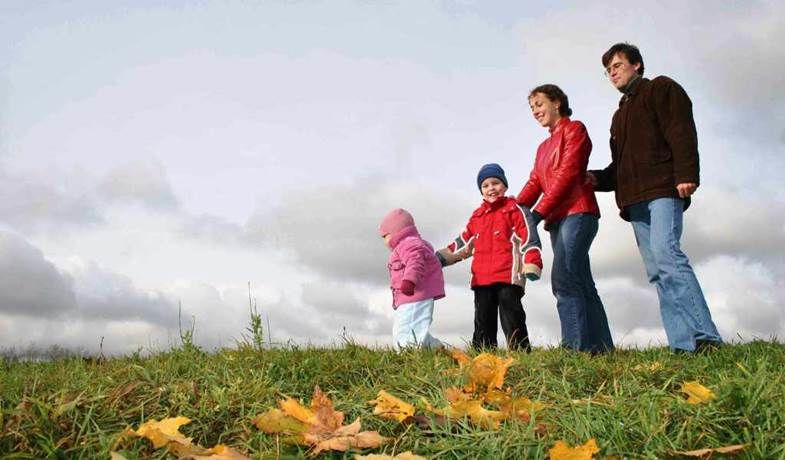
502 238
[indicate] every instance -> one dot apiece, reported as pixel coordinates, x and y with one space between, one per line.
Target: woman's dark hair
554 94
631 52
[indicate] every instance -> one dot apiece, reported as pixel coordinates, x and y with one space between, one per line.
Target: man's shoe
706 346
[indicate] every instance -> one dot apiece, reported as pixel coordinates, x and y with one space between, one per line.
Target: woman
571 215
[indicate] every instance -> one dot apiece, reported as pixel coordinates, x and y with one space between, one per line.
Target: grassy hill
629 401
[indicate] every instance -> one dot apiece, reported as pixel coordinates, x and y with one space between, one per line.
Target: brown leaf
388 406
707 453
344 438
562 451
696 393
319 426
408 455
160 433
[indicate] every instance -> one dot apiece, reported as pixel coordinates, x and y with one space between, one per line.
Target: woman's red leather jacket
559 175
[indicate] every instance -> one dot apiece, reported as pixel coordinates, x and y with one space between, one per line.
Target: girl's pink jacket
412 258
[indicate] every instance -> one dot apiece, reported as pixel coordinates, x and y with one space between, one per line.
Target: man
654 171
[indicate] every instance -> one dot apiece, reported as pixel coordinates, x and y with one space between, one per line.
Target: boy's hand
407 287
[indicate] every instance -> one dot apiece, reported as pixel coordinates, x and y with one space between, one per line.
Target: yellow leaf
275 421
453 394
562 451
388 406
408 455
707 453
656 365
219 452
487 371
293 408
163 432
116 456
520 408
696 393
478 415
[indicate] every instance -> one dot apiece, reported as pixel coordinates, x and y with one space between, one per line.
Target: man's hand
686 189
591 179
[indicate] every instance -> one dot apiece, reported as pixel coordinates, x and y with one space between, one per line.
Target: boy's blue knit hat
491 170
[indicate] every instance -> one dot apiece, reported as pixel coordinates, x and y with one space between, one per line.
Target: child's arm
414 268
461 248
531 248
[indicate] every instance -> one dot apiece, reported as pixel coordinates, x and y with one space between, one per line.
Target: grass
76 408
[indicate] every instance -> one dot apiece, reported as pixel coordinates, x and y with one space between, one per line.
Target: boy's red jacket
502 238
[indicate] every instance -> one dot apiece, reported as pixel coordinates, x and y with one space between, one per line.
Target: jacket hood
397 237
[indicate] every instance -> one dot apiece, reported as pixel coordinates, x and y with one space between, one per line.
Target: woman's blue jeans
584 326
658 225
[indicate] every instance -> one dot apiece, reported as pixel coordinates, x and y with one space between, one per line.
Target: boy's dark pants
506 298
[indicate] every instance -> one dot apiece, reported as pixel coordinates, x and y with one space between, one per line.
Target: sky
161 163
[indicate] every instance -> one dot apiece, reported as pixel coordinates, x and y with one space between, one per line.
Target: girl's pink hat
394 221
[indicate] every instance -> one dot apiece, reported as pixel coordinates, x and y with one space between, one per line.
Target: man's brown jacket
654 144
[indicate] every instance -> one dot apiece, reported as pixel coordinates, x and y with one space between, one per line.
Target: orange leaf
459 356
453 394
408 455
520 408
294 409
487 371
707 453
696 393
389 406
562 451
163 432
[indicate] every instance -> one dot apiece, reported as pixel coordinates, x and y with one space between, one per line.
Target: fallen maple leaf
473 409
696 393
318 426
219 452
388 406
707 453
562 451
486 372
276 421
453 394
408 455
656 365
161 433
459 356
343 439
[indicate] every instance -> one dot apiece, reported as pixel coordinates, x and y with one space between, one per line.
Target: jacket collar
486 207
411 230
559 124
630 90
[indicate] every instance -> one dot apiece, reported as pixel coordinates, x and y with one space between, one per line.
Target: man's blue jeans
658 225
584 325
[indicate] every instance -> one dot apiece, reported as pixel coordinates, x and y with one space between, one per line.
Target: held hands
407 287
591 179
686 189
537 218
